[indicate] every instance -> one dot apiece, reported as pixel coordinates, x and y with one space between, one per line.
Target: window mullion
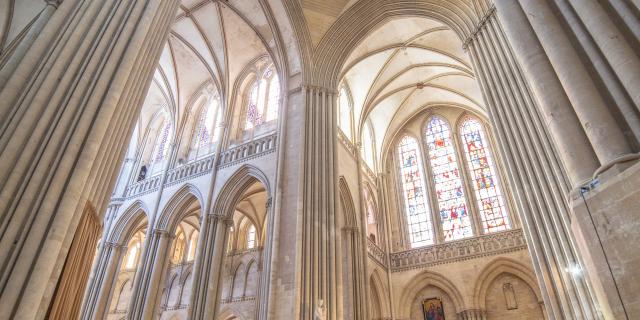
470 194
430 186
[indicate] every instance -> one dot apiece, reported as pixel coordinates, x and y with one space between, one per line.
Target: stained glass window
344 113
263 101
251 237
254 114
161 149
204 136
454 215
273 101
414 190
493 211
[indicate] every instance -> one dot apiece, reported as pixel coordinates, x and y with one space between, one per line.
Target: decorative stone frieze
454 251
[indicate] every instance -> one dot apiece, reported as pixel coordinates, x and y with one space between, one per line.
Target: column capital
269 203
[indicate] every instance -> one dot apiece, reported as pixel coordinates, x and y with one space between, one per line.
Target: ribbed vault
405 65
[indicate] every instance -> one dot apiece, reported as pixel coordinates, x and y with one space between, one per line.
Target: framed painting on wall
433 309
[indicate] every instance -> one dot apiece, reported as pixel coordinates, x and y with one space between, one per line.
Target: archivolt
233 189
496 268
176 209
125 226
420 282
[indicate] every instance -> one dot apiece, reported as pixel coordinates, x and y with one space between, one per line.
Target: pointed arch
349 212
128 222
423 280
176 208
494 269
232 190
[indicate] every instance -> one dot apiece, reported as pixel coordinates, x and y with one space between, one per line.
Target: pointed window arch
205 134
263 100
414 190
485 181
449 189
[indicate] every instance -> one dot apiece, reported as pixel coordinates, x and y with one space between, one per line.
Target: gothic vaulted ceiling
210 45
405 65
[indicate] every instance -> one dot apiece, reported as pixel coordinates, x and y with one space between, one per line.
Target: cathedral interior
319 159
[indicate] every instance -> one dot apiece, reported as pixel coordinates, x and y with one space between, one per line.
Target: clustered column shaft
535 173
65 112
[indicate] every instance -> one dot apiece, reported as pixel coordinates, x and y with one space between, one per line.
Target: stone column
605 135
580 162
535 173
9 65
262 299
100 287
65 114
318 287
206 287
612 43
147 282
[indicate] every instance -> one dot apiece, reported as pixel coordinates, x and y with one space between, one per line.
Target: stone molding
460 250
376 253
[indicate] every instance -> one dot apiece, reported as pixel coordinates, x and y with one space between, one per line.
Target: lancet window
263 100
460 190
414 191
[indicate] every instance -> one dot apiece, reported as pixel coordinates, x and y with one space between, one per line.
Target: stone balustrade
191 170
376 253
249 150
144 186
484 245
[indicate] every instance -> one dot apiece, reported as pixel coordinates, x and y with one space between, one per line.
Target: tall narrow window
344 113
368 146
251 237
454 216
273 101
493 211
416 205
193 242
162 140
254 113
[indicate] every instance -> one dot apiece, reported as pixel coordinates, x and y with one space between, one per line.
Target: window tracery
414 190
263 100
451 185
493 211
454 214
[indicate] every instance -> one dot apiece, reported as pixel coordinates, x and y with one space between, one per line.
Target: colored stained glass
161 144
254 114
416 203
454 215
493 211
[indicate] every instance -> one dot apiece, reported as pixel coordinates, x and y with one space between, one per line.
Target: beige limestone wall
469 285
606 225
